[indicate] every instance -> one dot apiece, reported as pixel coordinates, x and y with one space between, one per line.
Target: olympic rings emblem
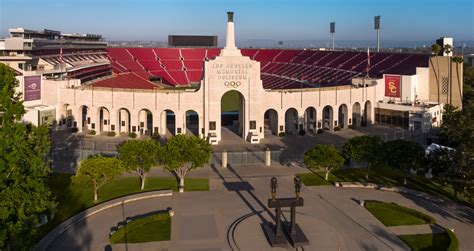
232 84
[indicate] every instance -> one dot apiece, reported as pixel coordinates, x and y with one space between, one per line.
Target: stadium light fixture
377 28
332 29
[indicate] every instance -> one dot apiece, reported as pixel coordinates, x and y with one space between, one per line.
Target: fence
233 158
245 158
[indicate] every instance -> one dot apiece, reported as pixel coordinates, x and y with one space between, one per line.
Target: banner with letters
32 90
392 86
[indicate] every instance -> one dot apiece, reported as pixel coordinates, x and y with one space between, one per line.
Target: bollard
268 157
224 159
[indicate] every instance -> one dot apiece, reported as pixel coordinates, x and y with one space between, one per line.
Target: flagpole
61 59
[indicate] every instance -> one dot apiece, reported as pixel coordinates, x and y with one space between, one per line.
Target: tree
182 154
441 161
97 171
139 156
458 61
448 48
325 157
24 168
436 49
458 128
364 148
404 155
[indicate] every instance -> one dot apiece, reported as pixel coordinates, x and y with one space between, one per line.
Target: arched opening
85 119
310 119
356 118
343 116
192 123
232 113
145 122
168 123
104 119
68 119
123 121
270 119
367 118
291 121
328 119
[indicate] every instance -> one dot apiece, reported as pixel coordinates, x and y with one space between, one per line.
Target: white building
279 91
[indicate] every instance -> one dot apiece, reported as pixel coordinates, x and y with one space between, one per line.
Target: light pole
332 30
377 27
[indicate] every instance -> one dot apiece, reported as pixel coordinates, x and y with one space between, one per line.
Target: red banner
392 86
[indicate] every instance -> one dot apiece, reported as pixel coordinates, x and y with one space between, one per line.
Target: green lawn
427 242
151 228
314 179
74 198
392 177
391 214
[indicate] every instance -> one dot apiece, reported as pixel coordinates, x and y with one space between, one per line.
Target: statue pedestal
298 238
270 233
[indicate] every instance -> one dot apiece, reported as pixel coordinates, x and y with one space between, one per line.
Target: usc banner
392 86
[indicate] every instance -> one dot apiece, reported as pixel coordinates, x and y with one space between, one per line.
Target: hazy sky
255 19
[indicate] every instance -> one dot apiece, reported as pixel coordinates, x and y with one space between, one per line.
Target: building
277 91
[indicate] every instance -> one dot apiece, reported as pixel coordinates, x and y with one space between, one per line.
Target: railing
84 151
245 158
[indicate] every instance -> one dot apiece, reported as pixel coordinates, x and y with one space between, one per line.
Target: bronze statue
273 186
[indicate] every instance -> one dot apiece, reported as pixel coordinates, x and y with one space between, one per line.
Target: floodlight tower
332 29
377 27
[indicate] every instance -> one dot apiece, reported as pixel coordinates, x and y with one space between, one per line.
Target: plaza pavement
229 216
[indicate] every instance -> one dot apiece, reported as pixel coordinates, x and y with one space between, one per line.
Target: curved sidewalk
46 241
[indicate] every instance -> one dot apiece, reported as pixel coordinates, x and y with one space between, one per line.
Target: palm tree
448 49
435 49
458 60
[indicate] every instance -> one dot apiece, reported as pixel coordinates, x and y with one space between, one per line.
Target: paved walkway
417 229
229 216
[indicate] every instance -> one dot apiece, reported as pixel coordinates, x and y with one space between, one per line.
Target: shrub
132 135
351 126
454 243
320 131
302 132
281 134
74 130
92 132
155 136
111 134
337 128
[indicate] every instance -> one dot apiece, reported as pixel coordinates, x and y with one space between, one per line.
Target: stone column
224 159
268 157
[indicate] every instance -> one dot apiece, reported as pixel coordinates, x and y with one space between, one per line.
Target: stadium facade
75 81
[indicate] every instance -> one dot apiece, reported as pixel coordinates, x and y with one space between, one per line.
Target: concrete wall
445 81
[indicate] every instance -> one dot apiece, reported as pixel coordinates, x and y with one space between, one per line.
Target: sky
401 20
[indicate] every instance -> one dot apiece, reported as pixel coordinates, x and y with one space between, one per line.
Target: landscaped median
73 198
403 219
391 214
59 229
389 178
151 228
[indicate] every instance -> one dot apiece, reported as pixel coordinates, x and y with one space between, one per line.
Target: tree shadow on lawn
70 202
429 195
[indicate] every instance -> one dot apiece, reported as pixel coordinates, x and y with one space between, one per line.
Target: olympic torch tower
230 49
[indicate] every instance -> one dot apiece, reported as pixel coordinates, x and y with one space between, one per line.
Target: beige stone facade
445 81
